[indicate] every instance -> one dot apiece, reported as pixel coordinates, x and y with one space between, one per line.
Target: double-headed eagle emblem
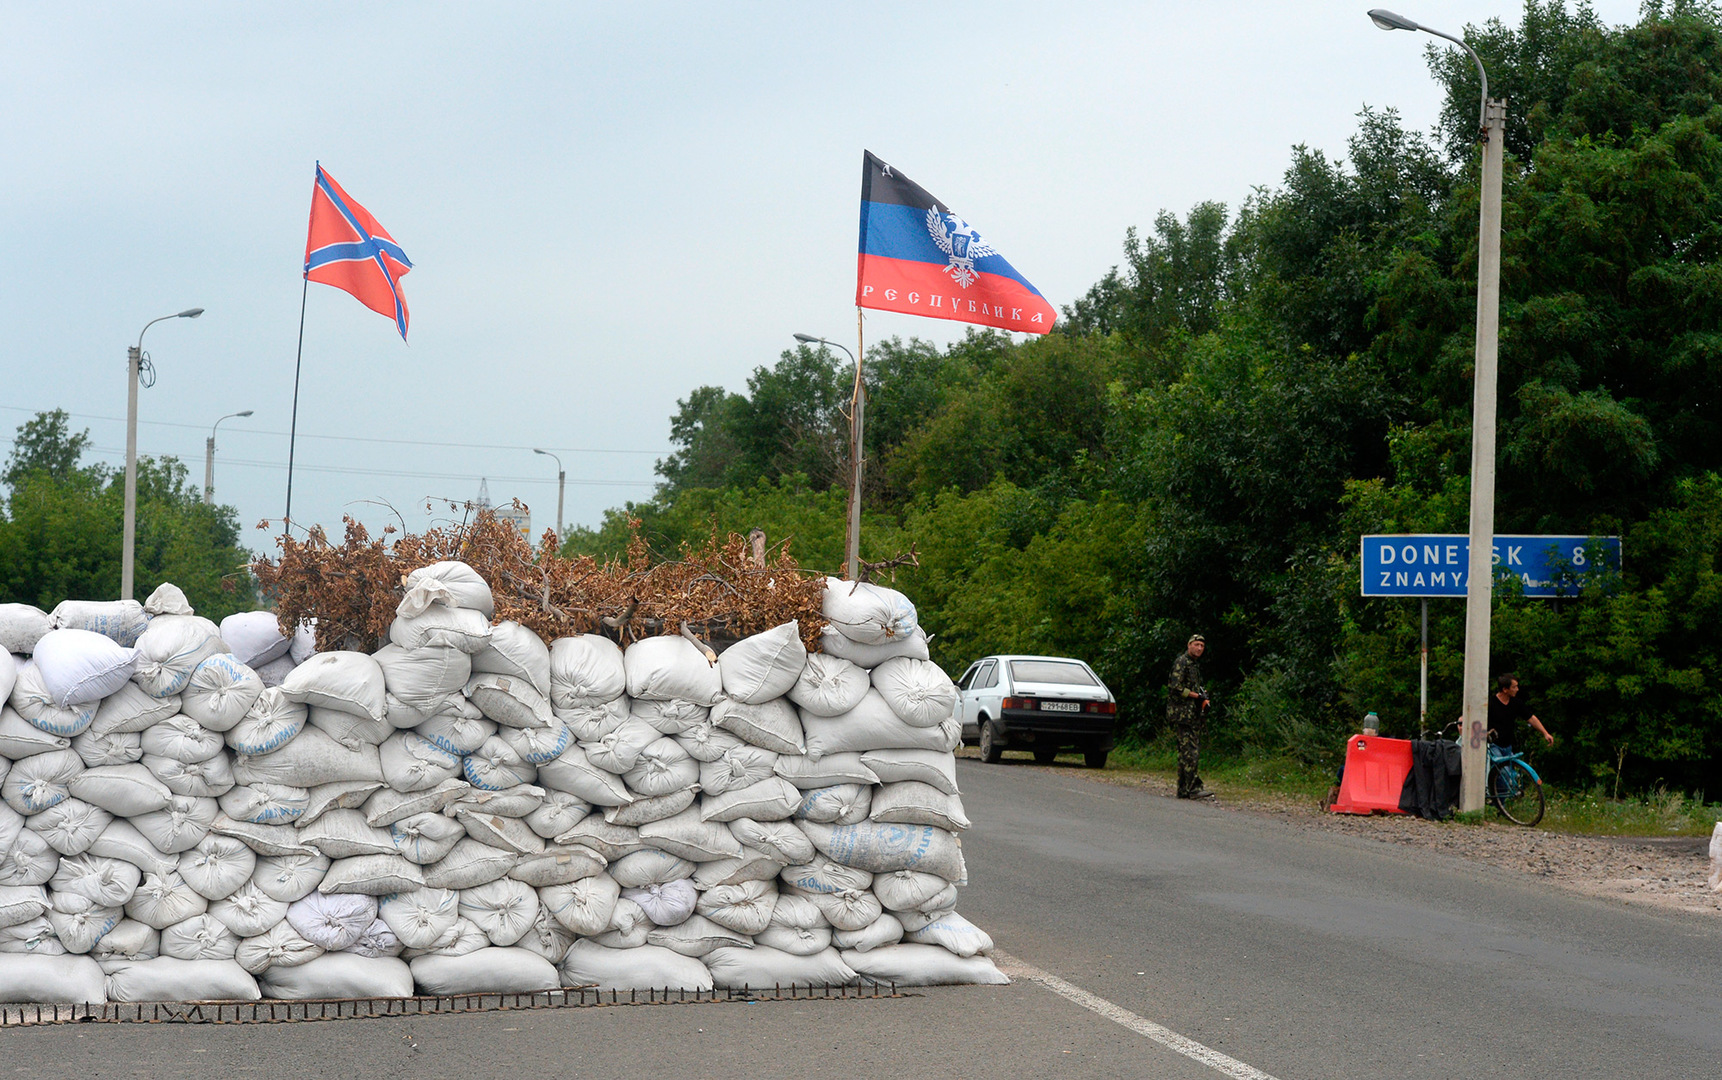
961 241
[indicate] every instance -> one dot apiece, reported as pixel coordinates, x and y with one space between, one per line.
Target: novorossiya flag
920 259
346 248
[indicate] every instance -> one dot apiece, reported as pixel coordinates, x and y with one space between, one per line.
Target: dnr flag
919 258
346 248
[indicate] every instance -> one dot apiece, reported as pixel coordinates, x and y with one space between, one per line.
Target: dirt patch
1667 873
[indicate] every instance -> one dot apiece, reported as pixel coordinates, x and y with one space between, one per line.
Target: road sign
1435 564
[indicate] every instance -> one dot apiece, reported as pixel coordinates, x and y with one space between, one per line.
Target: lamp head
535 450
189 313
247 412
808 339
1387 20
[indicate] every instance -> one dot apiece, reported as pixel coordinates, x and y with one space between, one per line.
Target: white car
1038 703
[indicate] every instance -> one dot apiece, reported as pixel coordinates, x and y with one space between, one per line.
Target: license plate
1060 706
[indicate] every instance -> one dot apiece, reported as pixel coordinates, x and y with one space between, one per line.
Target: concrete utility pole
209 458
1479 582
561 482
134 364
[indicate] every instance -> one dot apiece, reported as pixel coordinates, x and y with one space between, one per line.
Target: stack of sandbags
469 810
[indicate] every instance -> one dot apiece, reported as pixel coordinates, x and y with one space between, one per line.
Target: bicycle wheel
1516 793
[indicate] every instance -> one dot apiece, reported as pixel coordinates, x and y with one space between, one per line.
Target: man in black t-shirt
1506 709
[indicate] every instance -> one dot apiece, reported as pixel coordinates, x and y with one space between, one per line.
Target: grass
1582 812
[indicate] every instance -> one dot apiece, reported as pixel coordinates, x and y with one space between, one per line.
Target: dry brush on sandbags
465 807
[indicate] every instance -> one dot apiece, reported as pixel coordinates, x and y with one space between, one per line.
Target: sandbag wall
193 812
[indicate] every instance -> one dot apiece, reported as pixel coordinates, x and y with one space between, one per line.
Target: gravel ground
1668 873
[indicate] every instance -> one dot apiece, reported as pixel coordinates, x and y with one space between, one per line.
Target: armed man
1186 712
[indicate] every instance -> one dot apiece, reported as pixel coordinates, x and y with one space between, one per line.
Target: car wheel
1045 755
1095 759
991 751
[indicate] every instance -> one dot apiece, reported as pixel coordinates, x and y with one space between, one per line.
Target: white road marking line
1166 1037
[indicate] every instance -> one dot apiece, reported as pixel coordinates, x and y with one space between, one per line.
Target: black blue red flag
346 248
919 258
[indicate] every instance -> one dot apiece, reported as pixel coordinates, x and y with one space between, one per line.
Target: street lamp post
1492 120
857 413
561 482
134 362
209 458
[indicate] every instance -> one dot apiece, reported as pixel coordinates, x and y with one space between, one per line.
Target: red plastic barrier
1375 771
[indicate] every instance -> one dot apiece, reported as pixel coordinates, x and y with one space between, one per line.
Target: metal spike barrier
288 1012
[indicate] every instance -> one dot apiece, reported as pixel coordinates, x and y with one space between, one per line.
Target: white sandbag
180 738
914 803
332 922
201 937
828 771
783 840
867 613
349 681
546 938
883 931
29 861
102 881
841 804
33 938
763 968
824 877
426 838
665 903
421 678
935 767
272 721
515 650
744 908
795 940
371 875
42 780
71 979
910 890
338 975
304 643
648 967
922 965
647 810
610 841
421 917
772 725
451 584
310 758
275 672
847 909
12 825
270 804
628 927
21 903
536 745
122 790
21 626
80 667
772 799
498 831
575 774
79 922
871 725
261 838
342 834
704 742
496 767
440 627
116 748
883 848
462 938
250 912
121 840
649 866
557 866
167 599
752 865
671 717
687 836
20 739
619 750
218 866
664 668
413 764
583 906
696 936
8 675
663 767
585 670
197 779
379 940
129 709
509 700
32 701
828 686
279 946
170 650
350 730
180 825
161 900
122 620
337 795
560 812
290 877
128 940
503 909
468 865
220 692
254 637
387 806
833 643
918 691
593 721
509 802
952 932
763 666
487 971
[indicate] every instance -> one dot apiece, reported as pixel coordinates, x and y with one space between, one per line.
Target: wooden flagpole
857 410
293 426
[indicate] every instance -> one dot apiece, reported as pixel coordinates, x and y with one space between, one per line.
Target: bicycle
1510 783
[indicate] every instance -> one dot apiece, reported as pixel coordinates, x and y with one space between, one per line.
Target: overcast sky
605 205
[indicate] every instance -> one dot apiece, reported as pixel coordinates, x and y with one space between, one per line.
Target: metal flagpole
856 420
1423 682
293 426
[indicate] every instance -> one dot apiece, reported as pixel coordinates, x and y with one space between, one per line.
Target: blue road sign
1438 564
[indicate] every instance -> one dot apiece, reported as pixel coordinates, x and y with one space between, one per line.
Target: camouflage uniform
1187 718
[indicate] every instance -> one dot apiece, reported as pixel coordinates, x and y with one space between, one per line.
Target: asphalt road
1302 954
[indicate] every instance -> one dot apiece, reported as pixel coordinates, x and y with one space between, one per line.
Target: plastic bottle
1371 723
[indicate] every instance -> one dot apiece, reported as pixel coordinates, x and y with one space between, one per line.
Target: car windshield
1051 671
